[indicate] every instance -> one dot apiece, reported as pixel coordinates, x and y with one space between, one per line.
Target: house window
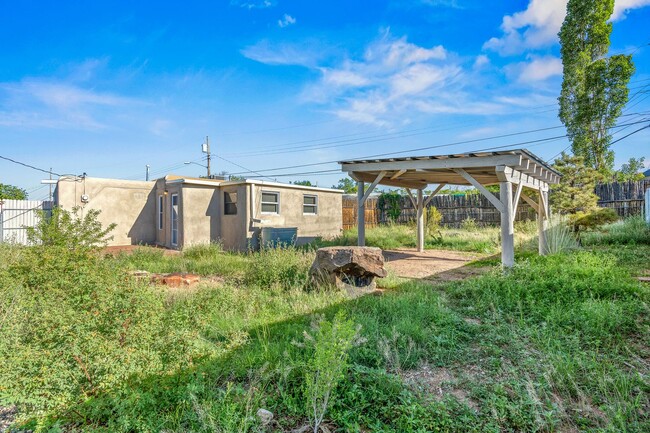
174 209
309 204
270 202
230 203
160 212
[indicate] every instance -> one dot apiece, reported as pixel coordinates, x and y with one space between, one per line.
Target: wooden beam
495 201
361 215
422 164
508 174
410 194
507 226
398 174
433 194
530 201
372 186
515 201
420 226
543 196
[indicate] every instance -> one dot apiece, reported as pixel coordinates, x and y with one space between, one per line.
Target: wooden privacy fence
16 215
626 198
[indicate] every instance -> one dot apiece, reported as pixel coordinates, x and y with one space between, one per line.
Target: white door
174 219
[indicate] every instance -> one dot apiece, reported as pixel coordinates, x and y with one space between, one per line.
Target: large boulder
348 267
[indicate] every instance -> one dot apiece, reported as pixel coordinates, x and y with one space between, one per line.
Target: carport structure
478 169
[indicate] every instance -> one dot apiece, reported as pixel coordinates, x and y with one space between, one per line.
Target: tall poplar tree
594 89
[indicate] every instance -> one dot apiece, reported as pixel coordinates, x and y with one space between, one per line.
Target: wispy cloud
253 4
536 69
308 53
286 21
67 102
538 25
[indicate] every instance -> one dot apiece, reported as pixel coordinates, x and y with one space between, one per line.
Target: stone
348 267
175 279
265 416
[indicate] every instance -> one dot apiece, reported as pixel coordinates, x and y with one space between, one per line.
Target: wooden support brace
398 174
530 201
515 200
372 186
495 201
410 194
433 194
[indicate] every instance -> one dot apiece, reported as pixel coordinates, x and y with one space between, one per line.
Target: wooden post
361 216
542 221
420 213
507 226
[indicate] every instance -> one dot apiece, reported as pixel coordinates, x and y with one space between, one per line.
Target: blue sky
108 87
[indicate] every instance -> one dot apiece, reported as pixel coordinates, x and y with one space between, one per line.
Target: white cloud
537 26
250 4
481 60
286 21
307 54
538 69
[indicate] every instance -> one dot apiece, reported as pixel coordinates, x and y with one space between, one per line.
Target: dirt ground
115 250
435 265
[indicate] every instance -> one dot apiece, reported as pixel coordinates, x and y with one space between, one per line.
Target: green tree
594 89
303 183
632 170
347 185
10 192
575 192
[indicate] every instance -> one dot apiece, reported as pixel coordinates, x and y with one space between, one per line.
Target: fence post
647 206
361 216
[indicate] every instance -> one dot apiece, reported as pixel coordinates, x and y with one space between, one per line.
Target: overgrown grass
630 231
470 238
559 343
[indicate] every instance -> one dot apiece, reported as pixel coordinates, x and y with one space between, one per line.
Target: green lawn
558 344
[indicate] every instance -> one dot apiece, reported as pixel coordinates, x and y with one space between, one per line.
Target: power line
29 166
435 147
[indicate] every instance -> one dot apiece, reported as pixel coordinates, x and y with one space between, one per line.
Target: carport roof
485 168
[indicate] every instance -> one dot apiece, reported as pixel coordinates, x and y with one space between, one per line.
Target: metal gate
17 215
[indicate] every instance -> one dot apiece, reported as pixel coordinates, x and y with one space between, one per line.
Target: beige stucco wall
201 210
233 228
328 222
129 204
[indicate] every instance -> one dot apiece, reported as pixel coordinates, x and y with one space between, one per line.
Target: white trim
262 202
253 182
315 205
171 219
161 212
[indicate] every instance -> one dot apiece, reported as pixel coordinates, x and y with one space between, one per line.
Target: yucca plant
559 236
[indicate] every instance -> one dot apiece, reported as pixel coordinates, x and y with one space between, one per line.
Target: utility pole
147 175
50 183
206 149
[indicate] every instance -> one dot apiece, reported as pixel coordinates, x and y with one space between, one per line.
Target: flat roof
216 182
419 171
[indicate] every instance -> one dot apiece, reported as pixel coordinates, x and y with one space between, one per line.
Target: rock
139 274
264 416
176 279
348 267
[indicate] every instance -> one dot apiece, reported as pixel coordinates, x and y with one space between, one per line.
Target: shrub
70 230
469 224
592 219
330 342
631 231
432 218
391 203
285 266
559 237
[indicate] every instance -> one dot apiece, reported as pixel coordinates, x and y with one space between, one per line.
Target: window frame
276 203
171 217
226 203
161 211
314 205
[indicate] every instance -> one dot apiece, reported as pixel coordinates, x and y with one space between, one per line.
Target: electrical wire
28 165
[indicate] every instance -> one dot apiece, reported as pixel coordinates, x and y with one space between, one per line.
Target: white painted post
420 213
507 226
361 216
542 221
647 205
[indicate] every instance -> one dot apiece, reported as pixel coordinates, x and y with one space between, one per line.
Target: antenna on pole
205 148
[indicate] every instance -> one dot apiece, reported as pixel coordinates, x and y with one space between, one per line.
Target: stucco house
178 211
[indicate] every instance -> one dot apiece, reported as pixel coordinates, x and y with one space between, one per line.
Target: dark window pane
269 207
310 199
269 197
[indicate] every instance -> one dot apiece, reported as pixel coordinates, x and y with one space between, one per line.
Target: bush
559 237
631 231
469 224
391 203
284 266
432 219
70 230
592 219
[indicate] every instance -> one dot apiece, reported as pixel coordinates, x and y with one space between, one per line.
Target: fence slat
16 215
626 198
